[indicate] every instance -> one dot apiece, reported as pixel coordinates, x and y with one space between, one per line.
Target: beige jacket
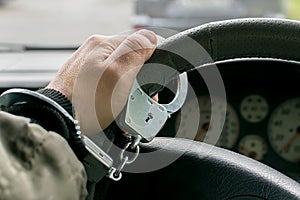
36 164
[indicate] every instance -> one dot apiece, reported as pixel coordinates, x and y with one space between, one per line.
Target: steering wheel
204 171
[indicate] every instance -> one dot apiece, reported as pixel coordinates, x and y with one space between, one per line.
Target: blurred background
70 22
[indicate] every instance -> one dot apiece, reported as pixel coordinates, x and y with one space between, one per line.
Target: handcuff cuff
142 118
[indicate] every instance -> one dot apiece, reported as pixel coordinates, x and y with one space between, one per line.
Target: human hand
99 75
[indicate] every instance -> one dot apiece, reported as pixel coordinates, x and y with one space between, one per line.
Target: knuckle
94 39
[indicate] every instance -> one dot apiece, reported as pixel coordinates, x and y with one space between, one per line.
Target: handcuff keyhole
150 116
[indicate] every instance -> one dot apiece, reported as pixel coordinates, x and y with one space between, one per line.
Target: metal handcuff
143 119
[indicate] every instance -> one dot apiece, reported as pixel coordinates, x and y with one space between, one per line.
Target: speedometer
284 130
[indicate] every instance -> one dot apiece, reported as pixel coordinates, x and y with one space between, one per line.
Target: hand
99 75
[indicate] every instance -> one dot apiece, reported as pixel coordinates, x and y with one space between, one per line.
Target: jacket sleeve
37 164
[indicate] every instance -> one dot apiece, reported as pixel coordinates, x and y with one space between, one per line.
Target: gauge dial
253 146
208 127
254 108
284 130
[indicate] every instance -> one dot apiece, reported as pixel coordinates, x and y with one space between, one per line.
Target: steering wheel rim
218 174
223 40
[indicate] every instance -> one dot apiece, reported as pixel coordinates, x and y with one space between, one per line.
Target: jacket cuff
59 98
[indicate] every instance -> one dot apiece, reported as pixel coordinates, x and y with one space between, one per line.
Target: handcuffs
142 118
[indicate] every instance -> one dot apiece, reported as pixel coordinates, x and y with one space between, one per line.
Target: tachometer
207 128
284 130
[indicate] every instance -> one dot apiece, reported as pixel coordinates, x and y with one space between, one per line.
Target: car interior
255 154
258 61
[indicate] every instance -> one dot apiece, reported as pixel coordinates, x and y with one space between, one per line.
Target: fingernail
149 35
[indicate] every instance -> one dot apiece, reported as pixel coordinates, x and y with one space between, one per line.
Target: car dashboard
262 114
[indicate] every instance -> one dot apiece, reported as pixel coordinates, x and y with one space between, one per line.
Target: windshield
61 22
70 22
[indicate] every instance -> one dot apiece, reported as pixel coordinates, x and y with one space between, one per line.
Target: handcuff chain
115 173
135 156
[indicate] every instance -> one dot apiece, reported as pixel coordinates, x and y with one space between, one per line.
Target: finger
91 42
125 62
155 97
128 54
102 49
134 51
102 44
86 47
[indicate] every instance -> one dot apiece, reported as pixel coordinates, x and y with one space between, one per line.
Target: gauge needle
286 147
248 152
202 132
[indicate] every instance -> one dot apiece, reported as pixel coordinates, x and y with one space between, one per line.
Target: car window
61 22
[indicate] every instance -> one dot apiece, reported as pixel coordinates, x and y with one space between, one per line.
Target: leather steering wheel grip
230 39
204 171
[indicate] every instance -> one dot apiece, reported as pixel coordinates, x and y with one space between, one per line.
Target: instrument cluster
283 127
259 118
